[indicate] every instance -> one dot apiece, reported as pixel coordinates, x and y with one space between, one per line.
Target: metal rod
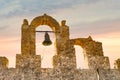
46 31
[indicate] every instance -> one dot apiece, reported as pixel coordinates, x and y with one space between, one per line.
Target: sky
97 18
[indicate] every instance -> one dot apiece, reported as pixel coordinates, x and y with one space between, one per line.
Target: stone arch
93 53
82 43
42 20
45 20
90 46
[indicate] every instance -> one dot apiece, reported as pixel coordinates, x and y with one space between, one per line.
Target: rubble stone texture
28 64
3 62
117 64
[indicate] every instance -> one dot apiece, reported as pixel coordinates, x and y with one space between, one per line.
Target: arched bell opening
43 20
46 51
39 21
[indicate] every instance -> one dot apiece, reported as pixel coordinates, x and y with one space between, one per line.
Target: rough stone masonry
28 64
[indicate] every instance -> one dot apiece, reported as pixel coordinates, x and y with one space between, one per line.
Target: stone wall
58 74
85 74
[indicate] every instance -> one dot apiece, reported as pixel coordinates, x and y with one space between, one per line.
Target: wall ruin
28 64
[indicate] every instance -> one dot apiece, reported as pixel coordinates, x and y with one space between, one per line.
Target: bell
47 40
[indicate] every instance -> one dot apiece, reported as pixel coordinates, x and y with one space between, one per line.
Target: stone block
3 62
117 64
94 48
109 74
85 74
50 74
98 62
28 61
68 61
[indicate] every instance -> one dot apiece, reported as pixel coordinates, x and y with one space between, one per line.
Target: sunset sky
98 18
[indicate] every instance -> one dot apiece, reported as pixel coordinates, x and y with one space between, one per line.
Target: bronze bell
47 40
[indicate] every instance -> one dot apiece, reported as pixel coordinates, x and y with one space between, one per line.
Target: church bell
47 40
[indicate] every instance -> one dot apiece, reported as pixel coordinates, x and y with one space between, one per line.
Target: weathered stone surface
117 64
109 74
28 61
98 62
91 47
93 53
58 74
28 64
3 62
85 74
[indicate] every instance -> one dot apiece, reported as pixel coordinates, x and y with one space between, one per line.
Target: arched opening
42 20
46 52
79 57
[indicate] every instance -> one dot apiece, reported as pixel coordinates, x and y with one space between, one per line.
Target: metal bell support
47 40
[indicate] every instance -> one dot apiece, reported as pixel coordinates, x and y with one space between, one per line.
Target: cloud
21 7
87 13
96 28
31 7
3 27
76 33
10 27
89 19
9 7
